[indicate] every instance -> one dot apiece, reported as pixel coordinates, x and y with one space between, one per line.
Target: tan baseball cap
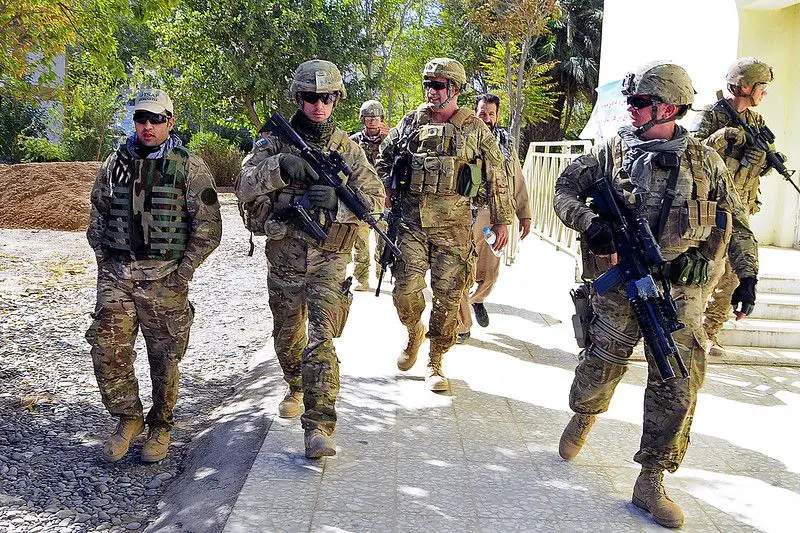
153 100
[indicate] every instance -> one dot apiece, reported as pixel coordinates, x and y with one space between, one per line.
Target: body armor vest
148 216
371 147
439 151
692 217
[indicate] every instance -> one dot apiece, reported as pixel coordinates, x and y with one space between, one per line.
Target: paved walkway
484 458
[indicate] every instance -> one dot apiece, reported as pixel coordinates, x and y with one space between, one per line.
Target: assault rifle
332 171
639 256
759 138
401 167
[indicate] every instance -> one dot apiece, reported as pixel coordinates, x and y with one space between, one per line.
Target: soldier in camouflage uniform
747 80
637 161
306 278
453 158
155 218
487 267
373 131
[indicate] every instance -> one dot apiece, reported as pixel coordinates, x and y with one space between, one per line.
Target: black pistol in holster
759 138
400 177
639 257
333 172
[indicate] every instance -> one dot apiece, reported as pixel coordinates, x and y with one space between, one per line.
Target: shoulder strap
673 163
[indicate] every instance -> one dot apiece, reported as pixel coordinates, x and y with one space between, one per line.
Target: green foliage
16 118
40 150
538 92
223 159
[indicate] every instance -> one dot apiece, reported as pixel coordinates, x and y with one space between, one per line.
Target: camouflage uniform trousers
721 284
305 285
487 270
361 253
163 311
450 255
668 405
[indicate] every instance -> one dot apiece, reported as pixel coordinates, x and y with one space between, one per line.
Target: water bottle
490 237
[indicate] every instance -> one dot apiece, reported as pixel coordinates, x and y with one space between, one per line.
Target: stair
775 321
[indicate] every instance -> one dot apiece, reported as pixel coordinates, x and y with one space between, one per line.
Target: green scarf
316 133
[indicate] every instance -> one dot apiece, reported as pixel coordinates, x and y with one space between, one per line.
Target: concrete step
774 306
778 285
761 333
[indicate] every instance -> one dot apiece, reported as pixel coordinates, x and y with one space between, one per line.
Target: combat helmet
747 71
317 76
663 82
450 69
371 108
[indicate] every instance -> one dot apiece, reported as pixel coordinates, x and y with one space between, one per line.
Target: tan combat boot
156 445
649 494
363 286
408 357
574 436
716 348
116 446
319 444
434 377
292 404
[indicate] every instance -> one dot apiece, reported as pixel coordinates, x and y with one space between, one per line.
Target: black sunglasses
313 98
142 117
433 84
639 102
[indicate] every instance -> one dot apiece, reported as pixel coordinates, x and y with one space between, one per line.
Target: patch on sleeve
209 196
261 142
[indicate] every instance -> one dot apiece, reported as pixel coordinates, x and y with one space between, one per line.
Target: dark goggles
142 117
313 98
433 84
640 102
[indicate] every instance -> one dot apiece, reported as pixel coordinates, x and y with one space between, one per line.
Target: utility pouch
715 246
700 219
433 138
593 265
341 238
689 268
343 311
582 298
469 179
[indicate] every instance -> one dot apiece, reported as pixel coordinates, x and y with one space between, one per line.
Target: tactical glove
745 294
734 136
754 156
295 169
600 238
323 196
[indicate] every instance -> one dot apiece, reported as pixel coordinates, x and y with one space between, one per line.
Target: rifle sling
669 198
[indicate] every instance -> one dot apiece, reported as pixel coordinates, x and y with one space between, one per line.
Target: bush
224 160
39 150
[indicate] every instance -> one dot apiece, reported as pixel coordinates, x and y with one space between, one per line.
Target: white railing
544 162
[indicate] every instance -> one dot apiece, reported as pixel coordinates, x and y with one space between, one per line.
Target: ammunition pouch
689 268
593 265
341 238
582 298
715 246
433 174
689 225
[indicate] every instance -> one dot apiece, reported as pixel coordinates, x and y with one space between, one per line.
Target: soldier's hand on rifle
754 156
600 238
323 196
735 136
524 227
295 169
501 233
387 202
745 294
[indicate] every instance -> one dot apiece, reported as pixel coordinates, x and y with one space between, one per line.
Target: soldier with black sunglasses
155 218
306 277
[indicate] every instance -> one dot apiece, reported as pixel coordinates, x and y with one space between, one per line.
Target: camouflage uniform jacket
436 164
261 181
746 179
522 204
702 176
205 231
371 146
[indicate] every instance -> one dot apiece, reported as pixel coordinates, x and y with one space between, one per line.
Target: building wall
772 35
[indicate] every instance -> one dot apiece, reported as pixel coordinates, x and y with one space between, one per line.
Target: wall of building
773 35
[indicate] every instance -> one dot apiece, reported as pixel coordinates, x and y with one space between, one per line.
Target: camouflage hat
153 100
747 71
666 82
317 76
444 67
371 108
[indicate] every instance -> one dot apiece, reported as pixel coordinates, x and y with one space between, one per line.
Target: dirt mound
46 195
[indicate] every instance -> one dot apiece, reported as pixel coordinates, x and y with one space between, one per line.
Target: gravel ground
52 423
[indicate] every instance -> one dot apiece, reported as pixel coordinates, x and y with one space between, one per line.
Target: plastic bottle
490 237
